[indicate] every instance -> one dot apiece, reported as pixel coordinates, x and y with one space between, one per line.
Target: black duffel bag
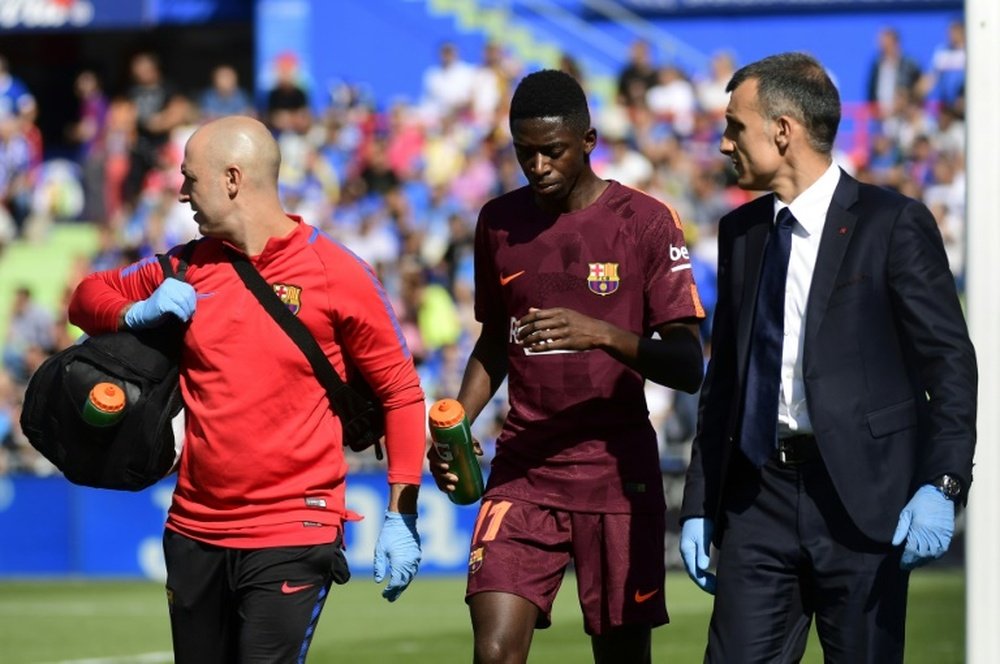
138 449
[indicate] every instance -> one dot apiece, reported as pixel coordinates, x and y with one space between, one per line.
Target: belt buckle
783 457
786 456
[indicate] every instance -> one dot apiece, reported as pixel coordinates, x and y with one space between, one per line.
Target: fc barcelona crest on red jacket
290 295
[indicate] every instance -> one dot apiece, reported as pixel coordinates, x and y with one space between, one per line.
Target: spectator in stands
377 173
949 138
29 333
287 108
909 120
945 82
88 133
891 70
490 89
571 66
449 85
224 96
626 165
9 399
711 91
159 108
708 204
119 141
405 141
15 98
637 76
17 103
918 164
15 174
672 99
884 164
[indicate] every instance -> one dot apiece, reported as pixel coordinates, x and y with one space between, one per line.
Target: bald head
243 142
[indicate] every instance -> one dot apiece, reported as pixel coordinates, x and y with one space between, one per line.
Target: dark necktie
759 431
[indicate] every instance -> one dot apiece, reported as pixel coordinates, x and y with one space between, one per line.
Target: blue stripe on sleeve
134 267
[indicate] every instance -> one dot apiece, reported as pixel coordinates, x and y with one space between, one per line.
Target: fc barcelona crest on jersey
290 295
603 278
475 560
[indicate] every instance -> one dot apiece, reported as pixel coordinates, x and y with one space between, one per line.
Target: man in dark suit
837 418
891 71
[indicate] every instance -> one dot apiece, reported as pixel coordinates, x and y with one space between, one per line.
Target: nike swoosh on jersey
642 597
509 278
288 589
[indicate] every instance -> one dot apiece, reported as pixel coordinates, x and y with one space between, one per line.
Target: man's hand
445 480
397 552
696 538
561 329
927 524
171 297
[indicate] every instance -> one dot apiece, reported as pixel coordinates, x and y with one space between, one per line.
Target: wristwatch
949 485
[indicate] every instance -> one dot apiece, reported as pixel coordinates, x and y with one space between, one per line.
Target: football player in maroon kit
574 274
253 535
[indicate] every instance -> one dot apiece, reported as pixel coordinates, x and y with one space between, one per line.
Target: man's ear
589 141
234 178
783 128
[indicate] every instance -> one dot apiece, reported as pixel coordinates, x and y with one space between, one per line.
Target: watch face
949 486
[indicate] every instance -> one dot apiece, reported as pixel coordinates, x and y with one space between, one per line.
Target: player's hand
445 480
560 329
171 297
927 524
397 553
696 537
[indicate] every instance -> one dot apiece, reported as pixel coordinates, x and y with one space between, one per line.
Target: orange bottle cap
108 398
446 413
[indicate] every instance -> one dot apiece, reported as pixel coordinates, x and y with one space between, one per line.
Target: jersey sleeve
374 344
488 297
671 293
98 300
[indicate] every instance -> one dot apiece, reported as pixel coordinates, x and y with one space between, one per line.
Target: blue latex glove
927 524
696 538
398 552
171 297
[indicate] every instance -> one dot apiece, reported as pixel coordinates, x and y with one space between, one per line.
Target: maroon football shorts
523 549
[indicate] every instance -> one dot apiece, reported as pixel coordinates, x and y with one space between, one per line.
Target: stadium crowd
401 182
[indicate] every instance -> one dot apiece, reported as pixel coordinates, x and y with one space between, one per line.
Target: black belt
797 450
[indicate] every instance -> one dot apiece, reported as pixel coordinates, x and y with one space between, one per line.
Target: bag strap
336 389
182 262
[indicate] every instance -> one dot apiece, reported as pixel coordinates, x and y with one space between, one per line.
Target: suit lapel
837 233
749 255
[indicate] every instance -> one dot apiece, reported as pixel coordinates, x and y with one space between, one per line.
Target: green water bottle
105 405
453 440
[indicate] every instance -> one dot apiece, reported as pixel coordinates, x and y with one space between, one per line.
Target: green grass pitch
125 622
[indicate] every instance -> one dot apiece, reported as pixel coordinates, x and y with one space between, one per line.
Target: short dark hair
796 85
551 93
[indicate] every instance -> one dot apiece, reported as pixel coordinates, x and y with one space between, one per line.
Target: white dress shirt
809 210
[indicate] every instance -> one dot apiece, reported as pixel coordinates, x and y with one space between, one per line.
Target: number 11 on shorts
493 513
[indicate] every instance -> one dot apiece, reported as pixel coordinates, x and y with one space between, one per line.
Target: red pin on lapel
842 230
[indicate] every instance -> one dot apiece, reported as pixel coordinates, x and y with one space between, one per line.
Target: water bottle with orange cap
105 405
453 441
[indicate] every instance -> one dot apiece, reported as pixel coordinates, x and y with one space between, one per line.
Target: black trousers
246 605
790 552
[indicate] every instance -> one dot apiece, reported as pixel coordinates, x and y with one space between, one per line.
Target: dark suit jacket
889 371
907 74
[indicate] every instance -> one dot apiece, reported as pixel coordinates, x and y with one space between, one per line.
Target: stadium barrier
51 528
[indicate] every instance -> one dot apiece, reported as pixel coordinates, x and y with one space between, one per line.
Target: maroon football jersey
578 435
